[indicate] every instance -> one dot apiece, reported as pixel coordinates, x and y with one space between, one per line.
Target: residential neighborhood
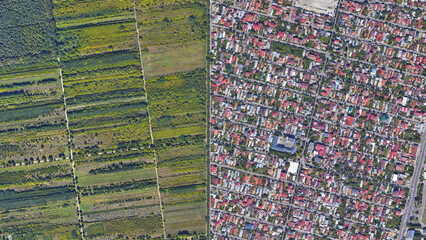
317 119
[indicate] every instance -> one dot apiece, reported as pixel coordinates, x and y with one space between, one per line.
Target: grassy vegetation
38 200
132 197
148 173
419 195
31 112
108 118
173 40
96 45
31 75
183 218
161 60
96 39
135 226
285 49
180 93
95 230
84 11
101 61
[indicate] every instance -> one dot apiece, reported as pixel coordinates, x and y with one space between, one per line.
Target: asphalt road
413 188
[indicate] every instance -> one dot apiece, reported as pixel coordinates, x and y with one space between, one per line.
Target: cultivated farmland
173 40
38 201
90 144
37 195
108 119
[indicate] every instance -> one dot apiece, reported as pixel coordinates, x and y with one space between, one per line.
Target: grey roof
284 144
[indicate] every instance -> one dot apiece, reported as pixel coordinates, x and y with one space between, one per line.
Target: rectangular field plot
52 173
162 60
177 94
117 187
98 38
32 121
38 201
135 226
179 131
109 90
146 197
67 12
183 170
182 177
114 168
101 139
99 62
173 36
163 23
20 92
185 218
132 227
114 176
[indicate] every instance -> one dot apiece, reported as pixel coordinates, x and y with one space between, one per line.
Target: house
320 149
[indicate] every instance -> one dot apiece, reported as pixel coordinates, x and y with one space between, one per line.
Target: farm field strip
108 118
147 173
133 196
31 116
71 24
82 12
162 60
149 120
80 132
173 44
178 221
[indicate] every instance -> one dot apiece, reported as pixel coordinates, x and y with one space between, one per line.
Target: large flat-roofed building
320 6
284 144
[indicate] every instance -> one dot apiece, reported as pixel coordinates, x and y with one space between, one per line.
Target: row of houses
314 130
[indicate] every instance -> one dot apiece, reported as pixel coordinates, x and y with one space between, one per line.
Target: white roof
394 177
293 167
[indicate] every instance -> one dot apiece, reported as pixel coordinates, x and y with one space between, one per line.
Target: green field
190 217
114 36
38 200
136 226
75 11
145 196
173 41
148 173
107 117
103 116
160 60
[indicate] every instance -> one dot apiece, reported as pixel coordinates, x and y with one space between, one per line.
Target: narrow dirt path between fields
80 216
149 119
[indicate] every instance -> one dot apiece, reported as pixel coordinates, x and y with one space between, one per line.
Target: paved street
377 199
413 189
